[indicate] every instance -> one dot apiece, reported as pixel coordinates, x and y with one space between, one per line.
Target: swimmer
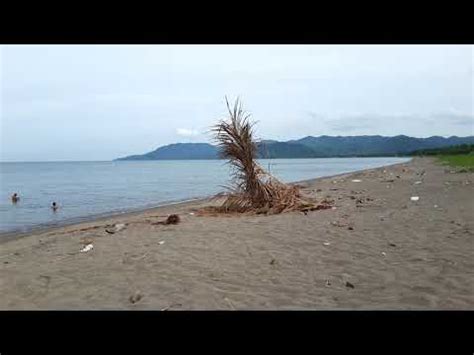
15 198
54 206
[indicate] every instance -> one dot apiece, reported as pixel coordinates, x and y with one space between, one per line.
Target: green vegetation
460 156
463 161
451 150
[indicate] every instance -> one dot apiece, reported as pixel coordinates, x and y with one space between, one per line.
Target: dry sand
376 250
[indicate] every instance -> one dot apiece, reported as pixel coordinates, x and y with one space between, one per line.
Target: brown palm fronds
254 190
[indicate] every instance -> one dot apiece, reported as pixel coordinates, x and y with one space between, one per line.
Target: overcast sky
103 102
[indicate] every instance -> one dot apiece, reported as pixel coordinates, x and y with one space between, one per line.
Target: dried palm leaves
254 190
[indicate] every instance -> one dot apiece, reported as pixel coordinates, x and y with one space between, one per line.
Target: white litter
87 248
192 213
435 206
119 227
333 208
356 180
162 242
327 243
383 253
418 182
414 198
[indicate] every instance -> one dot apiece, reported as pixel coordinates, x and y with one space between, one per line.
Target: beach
377 249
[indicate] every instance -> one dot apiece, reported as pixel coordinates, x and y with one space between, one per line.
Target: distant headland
311 147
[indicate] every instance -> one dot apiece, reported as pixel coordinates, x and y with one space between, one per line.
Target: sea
85 190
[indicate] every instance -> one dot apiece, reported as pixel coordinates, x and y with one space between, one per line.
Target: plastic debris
327 243
87 248
356 180
192 213
328 283
384 254
418 182
435 206
414 198
348 284
162 242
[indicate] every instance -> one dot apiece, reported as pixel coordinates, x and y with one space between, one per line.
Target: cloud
456 118
187 132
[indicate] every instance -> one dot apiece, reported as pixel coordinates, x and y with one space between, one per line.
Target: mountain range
311 147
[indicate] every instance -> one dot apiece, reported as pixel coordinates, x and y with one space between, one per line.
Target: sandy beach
377 249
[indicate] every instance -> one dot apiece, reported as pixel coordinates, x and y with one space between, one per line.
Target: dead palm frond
253 190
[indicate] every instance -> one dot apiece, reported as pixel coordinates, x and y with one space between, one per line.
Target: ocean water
86 189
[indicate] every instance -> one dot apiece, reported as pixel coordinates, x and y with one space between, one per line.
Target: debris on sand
326 243
418 182
137 296
172 219
323 205
86 240
161 242
414 198
87 248
116 228
254 190
273 262
356 180
339 224
392 244
349 285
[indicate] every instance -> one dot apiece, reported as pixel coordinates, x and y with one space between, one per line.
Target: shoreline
77 221
376 249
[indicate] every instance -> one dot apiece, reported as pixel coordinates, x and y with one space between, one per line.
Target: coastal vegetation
461 149
460 156
463 161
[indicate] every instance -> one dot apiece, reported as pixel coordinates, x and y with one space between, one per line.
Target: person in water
15 198
54 206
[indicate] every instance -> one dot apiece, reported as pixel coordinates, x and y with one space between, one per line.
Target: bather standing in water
15 198
54 206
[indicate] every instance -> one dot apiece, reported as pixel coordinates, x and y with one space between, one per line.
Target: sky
100 102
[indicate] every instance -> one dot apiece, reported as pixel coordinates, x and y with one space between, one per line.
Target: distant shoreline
191 159
48 227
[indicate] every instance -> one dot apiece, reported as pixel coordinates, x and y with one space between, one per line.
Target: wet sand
376 250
